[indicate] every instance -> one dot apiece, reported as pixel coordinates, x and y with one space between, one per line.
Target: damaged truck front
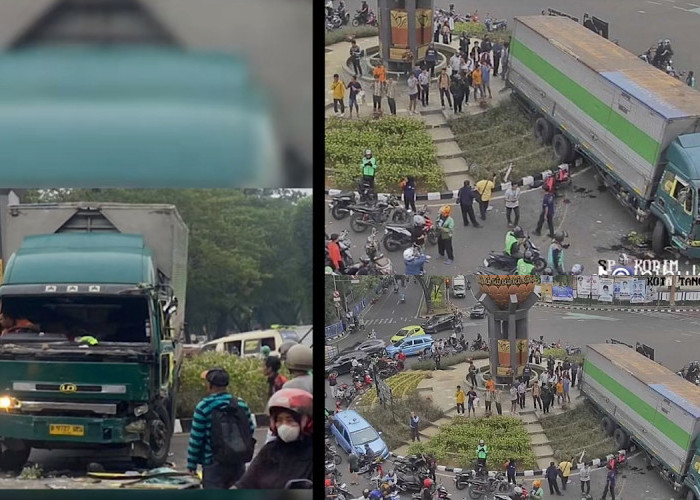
99 292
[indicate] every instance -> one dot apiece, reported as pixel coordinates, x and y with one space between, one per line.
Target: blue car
411 346
352 432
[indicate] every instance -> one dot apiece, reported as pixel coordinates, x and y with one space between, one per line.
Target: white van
247 343
459 287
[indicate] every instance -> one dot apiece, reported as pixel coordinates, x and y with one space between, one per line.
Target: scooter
440 493
410 481
501 260
463 479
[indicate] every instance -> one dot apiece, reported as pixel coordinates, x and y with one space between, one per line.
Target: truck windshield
106 318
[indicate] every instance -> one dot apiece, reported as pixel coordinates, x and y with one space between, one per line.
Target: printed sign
638 294
606 288
562 294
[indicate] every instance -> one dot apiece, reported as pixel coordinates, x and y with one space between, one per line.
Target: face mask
288 433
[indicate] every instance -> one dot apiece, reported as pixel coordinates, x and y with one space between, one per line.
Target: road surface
70 466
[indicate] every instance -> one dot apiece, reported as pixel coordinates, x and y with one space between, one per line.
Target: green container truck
100 289
647 404
637 125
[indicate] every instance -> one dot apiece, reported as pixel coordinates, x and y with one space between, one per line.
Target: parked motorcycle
503 261
463 479
365 216
410 481
439 492
381 264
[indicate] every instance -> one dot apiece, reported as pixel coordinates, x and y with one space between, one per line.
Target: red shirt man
334 253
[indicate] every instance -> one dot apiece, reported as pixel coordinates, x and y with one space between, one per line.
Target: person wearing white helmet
414 262
300 362
369 168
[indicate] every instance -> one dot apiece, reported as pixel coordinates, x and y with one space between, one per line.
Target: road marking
682 8
693 5
582 317
641 12
655 3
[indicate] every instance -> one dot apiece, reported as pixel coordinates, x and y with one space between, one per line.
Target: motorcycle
364 216
503 261
410 481
374 467
340 203
381 264
440 492
400 237
524 495
463 479
495 24
479 346
359 19
572 350
333 22
483 487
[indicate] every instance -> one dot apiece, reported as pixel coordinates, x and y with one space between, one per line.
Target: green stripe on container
641 407
637 140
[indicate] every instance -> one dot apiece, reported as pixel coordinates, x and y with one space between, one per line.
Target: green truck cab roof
684 153
81 258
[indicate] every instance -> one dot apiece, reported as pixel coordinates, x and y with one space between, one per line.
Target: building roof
668 96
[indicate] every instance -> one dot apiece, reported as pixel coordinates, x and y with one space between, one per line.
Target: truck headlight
9 403
141 410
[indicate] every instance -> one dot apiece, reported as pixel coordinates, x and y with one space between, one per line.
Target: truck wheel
563 150
622 440
159 436
543 130
659 238
690 495
608 426
14 455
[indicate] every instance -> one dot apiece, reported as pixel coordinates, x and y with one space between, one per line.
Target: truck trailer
94 362
637 125
647 404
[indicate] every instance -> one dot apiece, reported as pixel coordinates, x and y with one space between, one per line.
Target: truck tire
14 455
608 426
622 440
563 149
543 130
160 434
659 238
690 495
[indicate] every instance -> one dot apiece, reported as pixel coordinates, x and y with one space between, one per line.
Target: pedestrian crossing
388 321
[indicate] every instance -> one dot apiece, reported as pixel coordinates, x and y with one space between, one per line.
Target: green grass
456 442
500 136
348 32
576 430
478 30
401 385
462 357
561 354
392 420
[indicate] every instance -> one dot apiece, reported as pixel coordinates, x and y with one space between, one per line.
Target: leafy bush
401 146
455 444
576 430
247 381
478 30
500 136
348 33
561 354
462 357
393 419
401 385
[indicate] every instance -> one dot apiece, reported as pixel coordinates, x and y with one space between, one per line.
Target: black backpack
231 439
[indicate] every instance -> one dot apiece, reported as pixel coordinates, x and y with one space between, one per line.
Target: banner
546 292
562 293
624 288
587 285
638 291
606 288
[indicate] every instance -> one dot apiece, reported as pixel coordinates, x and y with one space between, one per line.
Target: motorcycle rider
414 262
555 256
369 168
693 371
363 13
391 479
418 230
525 265
372 335
341 11
514 239
427 492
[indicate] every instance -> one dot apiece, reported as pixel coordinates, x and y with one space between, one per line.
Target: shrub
561 354
401 146
348 33
393 419
576 430
462 357
247 381
401 385
456 442
478 30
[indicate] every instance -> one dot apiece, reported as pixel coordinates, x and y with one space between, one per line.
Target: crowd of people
222 441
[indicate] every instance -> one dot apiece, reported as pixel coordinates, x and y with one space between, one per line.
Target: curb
597 463
261 420
621 309
530 180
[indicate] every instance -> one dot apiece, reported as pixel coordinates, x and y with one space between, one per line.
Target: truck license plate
66 430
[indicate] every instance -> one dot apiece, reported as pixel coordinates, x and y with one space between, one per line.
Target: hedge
456 442
401 146
247 381
462 357
561 355
401 385
348 33
478 30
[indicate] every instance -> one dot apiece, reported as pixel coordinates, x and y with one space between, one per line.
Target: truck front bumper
690 250
57 429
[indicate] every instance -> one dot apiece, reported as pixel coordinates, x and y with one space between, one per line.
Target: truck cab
95 361
692 479
676 202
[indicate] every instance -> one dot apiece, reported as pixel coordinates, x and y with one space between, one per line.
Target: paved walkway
450 156
441 388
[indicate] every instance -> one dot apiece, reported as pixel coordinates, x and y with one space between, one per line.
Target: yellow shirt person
485 188
338 87
459 395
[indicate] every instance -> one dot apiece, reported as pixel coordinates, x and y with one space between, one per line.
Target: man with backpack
221 438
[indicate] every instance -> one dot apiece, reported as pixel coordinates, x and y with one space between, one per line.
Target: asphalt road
636 24
594 220
70 466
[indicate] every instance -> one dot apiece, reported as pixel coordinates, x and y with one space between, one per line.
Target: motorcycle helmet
537 483
284 348
427 483
390 473
328 483
547 271
481 442
418 220
528 255
518 490
408 254
368 152
445 210
364 259
365 493
577 269
300 358
518 232
297 401
559 236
